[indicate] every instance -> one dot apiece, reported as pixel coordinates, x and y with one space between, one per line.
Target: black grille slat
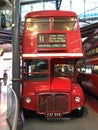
53 102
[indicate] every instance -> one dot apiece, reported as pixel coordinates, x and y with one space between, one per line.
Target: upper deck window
68 23
95 69
37 24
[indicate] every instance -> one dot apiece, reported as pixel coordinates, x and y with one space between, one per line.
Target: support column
16 54
84 9
58 4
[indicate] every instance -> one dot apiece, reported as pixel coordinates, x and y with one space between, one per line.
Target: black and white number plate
53 114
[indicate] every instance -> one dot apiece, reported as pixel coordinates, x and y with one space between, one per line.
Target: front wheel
28 113
78 113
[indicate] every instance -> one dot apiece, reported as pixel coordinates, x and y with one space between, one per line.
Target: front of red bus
51 47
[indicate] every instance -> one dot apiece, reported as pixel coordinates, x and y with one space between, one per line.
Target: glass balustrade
8 108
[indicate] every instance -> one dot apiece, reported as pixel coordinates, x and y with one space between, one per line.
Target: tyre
78 113
27 113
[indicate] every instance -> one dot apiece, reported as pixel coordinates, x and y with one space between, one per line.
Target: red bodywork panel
58 85
72 47
89 83
50 13
61 85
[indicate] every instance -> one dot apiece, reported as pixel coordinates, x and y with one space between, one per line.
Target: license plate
53 114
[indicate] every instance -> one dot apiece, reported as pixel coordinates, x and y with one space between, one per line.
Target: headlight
77 99
28 100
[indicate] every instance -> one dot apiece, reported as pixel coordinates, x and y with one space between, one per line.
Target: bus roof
51 13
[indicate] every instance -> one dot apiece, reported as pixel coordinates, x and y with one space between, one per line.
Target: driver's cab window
63 70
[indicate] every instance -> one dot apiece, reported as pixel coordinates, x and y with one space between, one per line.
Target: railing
8 107
6 36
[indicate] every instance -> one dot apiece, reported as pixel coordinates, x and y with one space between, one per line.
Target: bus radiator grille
53 102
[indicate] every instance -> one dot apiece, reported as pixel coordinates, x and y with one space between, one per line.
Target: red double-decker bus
88 66
51 48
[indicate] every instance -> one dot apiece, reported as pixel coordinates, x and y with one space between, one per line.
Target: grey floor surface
88 122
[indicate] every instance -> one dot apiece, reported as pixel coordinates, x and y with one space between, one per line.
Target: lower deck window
35 69
88 69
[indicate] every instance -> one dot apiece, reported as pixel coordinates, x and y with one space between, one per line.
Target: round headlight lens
77 99
28 100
